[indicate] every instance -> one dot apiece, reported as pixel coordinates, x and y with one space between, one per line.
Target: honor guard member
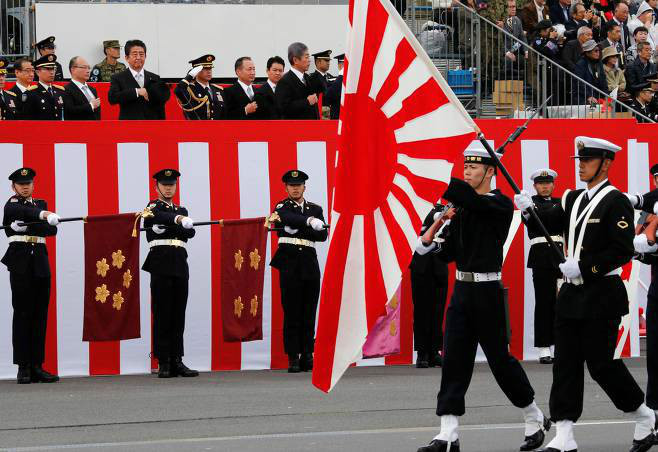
7 98
45 100
29 275
335 89
47 47
429 289
302 225
103 71
474 240
168 230
321 76
598 233
542 259
199 98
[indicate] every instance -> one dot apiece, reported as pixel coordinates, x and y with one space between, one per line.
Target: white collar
340 72
272 84
44 85
539 8
300 204
245 87
202 85
300 75
592 191
21 87
79 84
134 72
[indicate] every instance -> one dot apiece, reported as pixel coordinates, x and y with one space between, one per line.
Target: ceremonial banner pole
61 220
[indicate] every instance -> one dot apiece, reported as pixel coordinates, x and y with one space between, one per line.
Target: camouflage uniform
104 71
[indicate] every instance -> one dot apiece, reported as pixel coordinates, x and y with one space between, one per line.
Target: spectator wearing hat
335 90
301 224
240 103
24 72
264 95
29 274
613 74
573 50
45 100
582 17
614 40
47 47
643 96
590 69
545 41
7 98
643 18
641 67
294 96
81 102
197 97
139 93
103 71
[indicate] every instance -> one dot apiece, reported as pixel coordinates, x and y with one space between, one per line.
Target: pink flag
400 129
384 337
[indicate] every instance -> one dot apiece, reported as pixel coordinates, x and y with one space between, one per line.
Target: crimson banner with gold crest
111 279
243 263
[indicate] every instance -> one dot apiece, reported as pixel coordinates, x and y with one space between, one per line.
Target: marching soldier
103 71
429 289
47 47
474 240
297 262
599 241
199 98
7 98
169 230
542 259
45 100
29 275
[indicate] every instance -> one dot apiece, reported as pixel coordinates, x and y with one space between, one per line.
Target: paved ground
372 409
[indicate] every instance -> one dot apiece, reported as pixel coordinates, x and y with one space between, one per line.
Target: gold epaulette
186 82
217 86
11 93
59 87
32 87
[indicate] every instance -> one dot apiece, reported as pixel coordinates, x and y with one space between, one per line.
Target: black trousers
545 283
299 298
168 303
477 314
428 292
652 352
592 342
30 296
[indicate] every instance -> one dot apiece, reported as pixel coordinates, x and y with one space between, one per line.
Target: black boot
643 445
306 362
164 369
422 361
293 364
181 370
535 440
38 375
23 377
438 445
435 360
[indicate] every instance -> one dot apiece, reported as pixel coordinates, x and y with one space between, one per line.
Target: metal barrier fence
15 28
496 73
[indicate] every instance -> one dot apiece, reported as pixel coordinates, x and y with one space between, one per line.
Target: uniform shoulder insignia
11 93
185 81
12 199
218 86
622 224
278 206
151 205
59 87
32 87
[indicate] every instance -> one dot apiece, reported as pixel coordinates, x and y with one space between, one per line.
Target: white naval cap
595 147
543 175
474 154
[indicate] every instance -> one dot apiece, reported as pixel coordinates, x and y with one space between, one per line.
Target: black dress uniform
49 43
318 80
167 264
44 102
18 100
543 261
640 107
197 101
429 289
7 98
299 272
477 311
589 308
29 276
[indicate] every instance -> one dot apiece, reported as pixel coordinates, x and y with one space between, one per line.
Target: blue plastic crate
461 81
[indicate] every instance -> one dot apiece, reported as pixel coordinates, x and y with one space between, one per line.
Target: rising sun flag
401 128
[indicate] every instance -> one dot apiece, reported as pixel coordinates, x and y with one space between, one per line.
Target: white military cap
479 155
543 175
595 147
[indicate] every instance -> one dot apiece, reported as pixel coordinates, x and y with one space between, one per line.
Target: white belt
27 239
578 281
167 242
294 241
478 277
556 238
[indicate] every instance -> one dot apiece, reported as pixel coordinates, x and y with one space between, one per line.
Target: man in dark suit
24 72
620 18
641 66
197 97
559 12
140 93
47 47
264 96
81 102
240 102
573 50
45 100
581 17
294 96
614 40
335 90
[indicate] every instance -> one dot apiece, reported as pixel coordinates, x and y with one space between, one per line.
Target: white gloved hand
316 224
437 215
570 268
195 71
641 244
634 199
157 229
187 222
422 249
53 219
655 208
523 200
290 230
18 228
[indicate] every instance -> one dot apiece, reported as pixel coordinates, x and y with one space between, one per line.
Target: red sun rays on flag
400 130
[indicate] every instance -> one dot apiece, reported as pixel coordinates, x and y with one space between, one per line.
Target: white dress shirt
248 89
139 82
300 75
85 90
272 85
